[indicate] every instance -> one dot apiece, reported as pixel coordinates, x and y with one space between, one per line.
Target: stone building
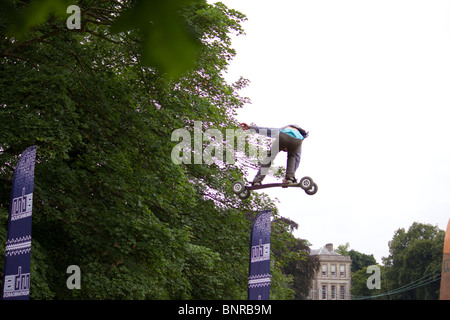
333 280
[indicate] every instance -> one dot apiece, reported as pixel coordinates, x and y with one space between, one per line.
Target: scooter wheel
306 183
238 187
312 190
244 195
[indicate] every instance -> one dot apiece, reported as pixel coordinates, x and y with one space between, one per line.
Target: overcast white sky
370 80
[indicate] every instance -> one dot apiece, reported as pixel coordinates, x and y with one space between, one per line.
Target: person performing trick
288 139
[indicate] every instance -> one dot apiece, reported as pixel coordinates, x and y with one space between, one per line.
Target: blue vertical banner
259 269
16 279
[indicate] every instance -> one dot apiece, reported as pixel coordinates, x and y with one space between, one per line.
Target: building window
324 271
333 292
333 270
342 292
342 271
324 292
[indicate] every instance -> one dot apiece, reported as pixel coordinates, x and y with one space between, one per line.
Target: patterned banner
16 281
259 270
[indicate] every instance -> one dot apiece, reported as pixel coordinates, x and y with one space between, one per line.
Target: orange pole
445 279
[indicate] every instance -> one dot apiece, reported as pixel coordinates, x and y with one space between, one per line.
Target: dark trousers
286 143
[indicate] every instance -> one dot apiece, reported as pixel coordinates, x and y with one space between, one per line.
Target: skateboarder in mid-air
288 139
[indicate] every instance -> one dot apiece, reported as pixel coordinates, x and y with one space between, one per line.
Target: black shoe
290 181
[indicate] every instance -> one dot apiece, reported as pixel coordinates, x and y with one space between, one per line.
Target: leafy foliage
293 258
414 254
101 104
359 260
412 269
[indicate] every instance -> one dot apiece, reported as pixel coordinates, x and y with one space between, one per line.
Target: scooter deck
272 185
243 191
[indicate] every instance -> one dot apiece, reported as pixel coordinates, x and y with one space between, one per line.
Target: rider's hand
244 126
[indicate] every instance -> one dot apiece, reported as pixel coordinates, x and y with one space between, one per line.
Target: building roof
327 253
324 251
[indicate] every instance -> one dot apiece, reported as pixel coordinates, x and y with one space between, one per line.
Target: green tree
360 262
359 284
415 258
108 197
293 257
360 288
166 41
